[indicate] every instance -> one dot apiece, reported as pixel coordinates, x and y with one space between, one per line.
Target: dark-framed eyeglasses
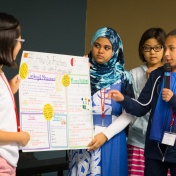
149 48
21 41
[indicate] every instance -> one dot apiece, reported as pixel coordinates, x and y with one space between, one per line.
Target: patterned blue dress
111 158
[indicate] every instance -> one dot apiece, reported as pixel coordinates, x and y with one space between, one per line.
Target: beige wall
130 18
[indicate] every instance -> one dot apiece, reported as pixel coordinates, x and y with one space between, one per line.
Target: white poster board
55 101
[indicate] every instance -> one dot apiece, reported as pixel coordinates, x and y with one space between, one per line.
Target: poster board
55 101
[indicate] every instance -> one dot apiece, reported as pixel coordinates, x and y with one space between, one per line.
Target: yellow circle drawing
48 112
23 70
66 80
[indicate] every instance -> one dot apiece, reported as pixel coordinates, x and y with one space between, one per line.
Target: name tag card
169 138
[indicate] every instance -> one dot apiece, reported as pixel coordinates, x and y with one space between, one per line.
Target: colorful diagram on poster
55 101
72 62
86 103
23 70
66 80
48 112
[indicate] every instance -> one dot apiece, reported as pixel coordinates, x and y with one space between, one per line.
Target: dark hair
157 33
9 31
173 32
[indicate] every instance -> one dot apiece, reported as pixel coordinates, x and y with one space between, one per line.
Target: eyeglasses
21 41
155 48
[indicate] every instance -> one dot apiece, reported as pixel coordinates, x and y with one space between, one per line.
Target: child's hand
115 95
167 94
14 83
97 142
24 138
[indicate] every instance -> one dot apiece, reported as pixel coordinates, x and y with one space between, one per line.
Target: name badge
169 138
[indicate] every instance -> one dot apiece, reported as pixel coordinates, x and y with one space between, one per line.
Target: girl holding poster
10 136
107 152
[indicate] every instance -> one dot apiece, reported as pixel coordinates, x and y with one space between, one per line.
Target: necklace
102 98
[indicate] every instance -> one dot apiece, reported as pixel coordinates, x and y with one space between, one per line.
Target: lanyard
102 98
173 119
13 99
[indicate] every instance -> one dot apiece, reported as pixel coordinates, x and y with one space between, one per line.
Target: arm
170 97
135 107
125 101
20 137
117 126
14 84
130 105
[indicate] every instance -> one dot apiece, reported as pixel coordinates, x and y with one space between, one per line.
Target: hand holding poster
55 101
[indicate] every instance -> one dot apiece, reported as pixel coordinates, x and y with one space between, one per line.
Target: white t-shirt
8 121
